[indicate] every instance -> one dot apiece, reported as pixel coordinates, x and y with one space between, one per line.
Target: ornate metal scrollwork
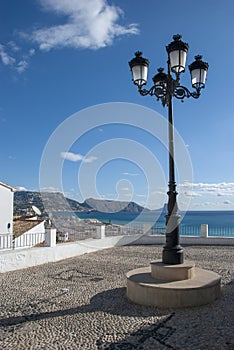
162 92
145 92
181 92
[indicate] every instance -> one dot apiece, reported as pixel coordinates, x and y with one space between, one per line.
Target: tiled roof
21 226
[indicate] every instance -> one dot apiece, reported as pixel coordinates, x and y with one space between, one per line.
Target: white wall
31 237
20 259
6 210
23 258
40 228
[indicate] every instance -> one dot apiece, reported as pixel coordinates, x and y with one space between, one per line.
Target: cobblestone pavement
80 303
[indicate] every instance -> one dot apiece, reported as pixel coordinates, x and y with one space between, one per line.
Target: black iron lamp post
165 87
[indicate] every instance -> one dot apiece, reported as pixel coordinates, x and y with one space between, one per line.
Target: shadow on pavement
112 301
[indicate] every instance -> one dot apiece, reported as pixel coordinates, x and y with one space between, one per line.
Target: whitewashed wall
6 210
31 237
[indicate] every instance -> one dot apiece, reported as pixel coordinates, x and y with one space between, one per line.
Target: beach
80 303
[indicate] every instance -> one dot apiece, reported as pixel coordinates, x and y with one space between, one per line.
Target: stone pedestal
50 237
100 232
204 230
172 286
178 272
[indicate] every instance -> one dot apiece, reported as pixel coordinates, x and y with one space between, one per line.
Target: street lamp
165 87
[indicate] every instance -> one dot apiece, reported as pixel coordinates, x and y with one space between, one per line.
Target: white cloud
6 59
21 188
14 47
31 52
13 57
191 194
89 24
89 159
159 192
73 157
109 196
131 174
200 189
127 195
210 196
21 66
125 189
227 202
50 189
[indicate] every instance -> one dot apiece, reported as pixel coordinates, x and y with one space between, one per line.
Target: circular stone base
143 289
167 272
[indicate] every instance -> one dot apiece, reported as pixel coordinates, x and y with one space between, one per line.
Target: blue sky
59 57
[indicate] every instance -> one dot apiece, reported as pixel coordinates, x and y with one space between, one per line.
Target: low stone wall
184 240
23 258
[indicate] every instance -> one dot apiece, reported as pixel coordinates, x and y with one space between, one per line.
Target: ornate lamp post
165 87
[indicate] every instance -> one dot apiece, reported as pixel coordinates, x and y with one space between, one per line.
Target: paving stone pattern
80 303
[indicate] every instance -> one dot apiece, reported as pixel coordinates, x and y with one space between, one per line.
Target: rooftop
8 186
22 225
80 303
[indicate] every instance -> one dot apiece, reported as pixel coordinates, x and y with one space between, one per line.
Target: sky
67 102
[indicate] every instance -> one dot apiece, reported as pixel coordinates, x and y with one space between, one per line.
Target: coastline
189 217
220 223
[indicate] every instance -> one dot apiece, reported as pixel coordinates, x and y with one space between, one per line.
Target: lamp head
160 78
139 68
177 53
198 70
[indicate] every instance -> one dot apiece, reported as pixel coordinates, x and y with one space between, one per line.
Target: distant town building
6 208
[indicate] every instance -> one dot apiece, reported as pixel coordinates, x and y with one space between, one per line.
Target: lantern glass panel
178 61
139 74
198 77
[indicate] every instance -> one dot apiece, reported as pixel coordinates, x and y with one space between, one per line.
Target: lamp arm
181 92
145 92
160 92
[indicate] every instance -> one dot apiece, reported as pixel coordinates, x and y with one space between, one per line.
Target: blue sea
221 223
219 218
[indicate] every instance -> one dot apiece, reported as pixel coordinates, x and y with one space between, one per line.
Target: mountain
112 206
45 201
55 201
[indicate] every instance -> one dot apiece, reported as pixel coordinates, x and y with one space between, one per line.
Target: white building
6 208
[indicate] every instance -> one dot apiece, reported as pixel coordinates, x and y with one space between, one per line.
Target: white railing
6 241
202 230
29 240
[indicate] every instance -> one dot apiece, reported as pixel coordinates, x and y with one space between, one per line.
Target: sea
220 223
